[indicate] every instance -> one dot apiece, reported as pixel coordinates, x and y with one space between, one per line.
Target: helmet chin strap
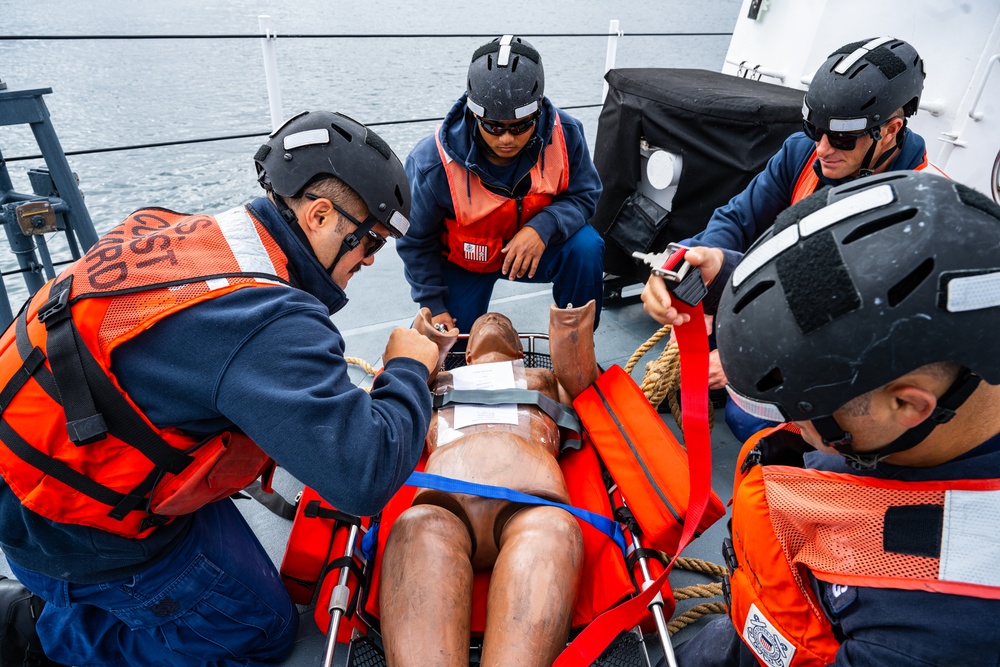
836 437
349 243
876 134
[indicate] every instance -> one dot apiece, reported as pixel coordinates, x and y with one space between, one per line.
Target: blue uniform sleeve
270 361
739 223
570 210
430 204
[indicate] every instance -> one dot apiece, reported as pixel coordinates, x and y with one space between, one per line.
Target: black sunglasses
842 141
497 129
375 240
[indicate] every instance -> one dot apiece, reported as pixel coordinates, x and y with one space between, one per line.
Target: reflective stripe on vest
848 530
126 476
808 180
485 221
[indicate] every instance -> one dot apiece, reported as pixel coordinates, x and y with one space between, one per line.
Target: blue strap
438 483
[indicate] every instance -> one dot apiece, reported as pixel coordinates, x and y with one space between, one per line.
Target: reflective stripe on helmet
758 409
973 292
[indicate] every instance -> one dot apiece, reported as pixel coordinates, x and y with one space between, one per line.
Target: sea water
111 93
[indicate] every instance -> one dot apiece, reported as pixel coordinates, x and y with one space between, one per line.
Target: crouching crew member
171 366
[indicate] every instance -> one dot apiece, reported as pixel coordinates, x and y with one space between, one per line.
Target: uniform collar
307 273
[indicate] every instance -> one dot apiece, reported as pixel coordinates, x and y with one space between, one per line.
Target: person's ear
911 405
892 128
316 213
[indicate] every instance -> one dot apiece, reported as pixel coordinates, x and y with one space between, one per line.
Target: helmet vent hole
534 88
770 381
754 292
513 65
399 196
489 62
868 103
907 285
341 131
878 225
858 70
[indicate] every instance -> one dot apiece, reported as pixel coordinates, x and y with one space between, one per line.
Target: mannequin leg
533 589
571 345
426 588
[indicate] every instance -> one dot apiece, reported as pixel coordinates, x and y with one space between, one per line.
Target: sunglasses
373 240
842 141
497 129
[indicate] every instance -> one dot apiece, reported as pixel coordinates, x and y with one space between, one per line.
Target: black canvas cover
725 128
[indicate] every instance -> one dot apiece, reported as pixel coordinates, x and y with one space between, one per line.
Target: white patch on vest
970 545
217 283
245 243
769 644
475 253
973 292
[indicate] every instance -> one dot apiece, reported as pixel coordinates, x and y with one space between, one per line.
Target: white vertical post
609 58
271 71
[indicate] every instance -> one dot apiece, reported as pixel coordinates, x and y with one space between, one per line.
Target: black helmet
506 80
320 143
862 84
858 285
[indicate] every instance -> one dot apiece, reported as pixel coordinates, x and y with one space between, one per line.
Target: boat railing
56 205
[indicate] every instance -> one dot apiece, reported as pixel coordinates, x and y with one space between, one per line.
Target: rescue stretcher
630 472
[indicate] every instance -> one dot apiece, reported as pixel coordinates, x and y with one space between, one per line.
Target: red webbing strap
692 342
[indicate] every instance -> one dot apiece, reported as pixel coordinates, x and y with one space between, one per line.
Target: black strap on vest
92 404
84 423
90 399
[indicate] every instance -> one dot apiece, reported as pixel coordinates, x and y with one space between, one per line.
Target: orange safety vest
848 530
74 447
485 221
808 180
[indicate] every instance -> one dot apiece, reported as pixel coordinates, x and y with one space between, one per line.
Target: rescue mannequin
535 552
873 331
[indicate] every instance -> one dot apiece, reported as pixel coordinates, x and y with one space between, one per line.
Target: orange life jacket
485 221
808 180
848 530
74 447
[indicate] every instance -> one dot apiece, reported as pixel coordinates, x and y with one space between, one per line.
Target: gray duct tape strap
563 416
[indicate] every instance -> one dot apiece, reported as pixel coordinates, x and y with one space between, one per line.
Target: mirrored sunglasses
497 129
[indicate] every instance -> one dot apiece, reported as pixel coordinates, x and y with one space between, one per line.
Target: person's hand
716 376
656 298
413 344
444 318
522 254
442 337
